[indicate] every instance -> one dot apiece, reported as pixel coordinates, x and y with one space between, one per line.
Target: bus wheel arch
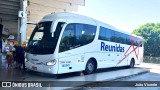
132 63
91 66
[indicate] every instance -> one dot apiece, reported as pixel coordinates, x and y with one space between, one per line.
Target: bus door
75 41
68 62
69 51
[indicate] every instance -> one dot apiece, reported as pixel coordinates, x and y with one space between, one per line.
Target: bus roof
65 15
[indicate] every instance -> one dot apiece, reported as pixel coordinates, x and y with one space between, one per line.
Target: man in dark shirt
21 59
19 55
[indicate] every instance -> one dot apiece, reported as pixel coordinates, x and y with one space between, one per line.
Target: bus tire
132 63
90 67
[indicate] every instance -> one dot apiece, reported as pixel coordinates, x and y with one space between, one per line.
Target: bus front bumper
40 68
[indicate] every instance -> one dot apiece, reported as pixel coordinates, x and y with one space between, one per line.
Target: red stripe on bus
130 52
133 48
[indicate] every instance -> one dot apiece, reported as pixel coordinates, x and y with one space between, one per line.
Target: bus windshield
42 41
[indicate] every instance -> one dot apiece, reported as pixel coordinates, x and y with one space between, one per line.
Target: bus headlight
52 62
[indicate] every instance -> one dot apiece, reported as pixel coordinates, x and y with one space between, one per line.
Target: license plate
34 68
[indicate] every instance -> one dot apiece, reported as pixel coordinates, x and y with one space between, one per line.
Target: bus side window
102 34
128 40
76 35
88 34
105 34
67 40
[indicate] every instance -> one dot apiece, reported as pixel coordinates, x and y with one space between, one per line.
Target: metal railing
150 59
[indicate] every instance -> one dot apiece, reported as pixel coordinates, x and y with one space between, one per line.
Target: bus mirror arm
55 23
52 34
54 27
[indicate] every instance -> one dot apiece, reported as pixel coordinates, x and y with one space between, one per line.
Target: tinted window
136 41
76 35
118 37
105 34
123 37
102 34
128 40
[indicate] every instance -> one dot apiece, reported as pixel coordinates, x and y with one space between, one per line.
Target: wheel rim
90 67
132 63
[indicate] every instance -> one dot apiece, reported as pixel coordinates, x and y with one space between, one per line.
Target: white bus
67 42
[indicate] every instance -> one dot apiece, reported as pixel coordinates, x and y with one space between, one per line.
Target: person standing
15 55
6 49
4 42
21 57
9 59
11 48
24 46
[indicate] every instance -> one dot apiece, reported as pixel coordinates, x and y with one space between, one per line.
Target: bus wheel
90 67
132 63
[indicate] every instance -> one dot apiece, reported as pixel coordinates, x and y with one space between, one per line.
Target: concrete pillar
23 25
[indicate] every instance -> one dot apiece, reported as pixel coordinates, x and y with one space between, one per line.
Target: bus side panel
75 59
109 56
136 53
126 56
105 59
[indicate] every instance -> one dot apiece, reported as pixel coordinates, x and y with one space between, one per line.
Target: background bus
67 42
